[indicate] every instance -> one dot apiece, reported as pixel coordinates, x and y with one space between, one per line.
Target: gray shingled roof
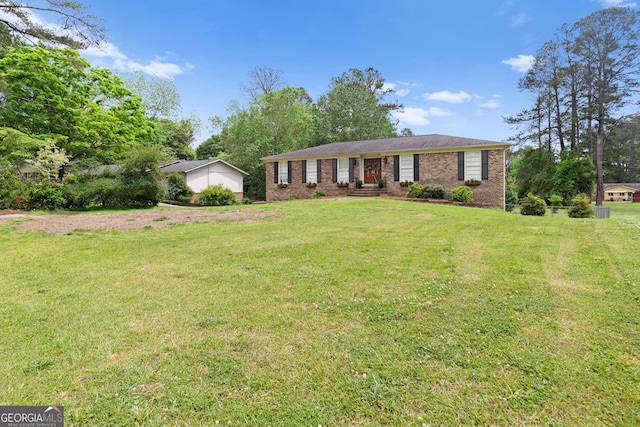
630 185
389 146
190 165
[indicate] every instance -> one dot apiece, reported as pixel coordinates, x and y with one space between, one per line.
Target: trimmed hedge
217 195
462 194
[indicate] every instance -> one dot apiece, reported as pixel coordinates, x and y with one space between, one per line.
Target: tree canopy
582 80
274 123
355 108
76 29
87 111
160 97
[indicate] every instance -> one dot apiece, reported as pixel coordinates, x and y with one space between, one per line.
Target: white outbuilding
200 174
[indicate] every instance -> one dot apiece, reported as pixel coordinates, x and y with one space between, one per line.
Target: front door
372 170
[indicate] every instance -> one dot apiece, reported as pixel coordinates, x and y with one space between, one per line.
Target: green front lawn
332 312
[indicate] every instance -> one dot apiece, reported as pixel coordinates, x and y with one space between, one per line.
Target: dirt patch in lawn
61 223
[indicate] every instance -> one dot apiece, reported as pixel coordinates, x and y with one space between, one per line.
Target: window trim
405 167
283 172
312 171
343 169
473 165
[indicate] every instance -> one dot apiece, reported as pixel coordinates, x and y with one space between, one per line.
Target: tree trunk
632 159
599 174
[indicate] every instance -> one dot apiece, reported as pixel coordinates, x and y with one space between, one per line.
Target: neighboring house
28 171
620 192
200 174
427 159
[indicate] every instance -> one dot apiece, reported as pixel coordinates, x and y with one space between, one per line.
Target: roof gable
187 166
628 187
391 145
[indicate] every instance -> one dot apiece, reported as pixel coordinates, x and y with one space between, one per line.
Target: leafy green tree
177 188
533 171
160 97
355 108
175 137
608 44
49 160
141 176
210 148
11 185
582 80
7 41
17 147
621 160
276 122
77 28
56 92
573 176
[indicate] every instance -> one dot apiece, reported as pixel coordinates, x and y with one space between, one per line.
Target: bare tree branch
263 80
75 27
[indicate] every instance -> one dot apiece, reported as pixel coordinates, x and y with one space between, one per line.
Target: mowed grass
332 312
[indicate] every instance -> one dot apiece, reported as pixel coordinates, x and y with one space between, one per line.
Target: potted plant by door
358 183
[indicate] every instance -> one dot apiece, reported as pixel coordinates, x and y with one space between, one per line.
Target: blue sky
455 64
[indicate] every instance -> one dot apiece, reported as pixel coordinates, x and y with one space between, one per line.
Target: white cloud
413 116
108 55
617 3
450 97
420 116
521 64
518 20
492 103
438 112
394 87
105 50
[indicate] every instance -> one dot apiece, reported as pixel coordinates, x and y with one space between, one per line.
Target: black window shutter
461 165
334 169
319 170
485 164
289 172
276 173
416 167
352 164
304 171
396 167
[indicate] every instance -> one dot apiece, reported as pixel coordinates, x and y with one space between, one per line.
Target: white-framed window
312 171
343 170
284 171
406 168
473 165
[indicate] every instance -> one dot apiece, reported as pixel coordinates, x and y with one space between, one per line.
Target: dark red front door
372 170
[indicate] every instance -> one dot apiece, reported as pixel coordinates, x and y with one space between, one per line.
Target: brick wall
435 168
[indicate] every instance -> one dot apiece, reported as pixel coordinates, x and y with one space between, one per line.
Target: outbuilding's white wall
214 174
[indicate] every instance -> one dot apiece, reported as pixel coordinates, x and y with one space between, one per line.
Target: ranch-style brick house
426 159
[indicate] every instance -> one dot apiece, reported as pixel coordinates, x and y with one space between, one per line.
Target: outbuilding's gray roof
190 165
390 146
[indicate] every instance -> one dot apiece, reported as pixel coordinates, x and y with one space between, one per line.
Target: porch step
366 191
